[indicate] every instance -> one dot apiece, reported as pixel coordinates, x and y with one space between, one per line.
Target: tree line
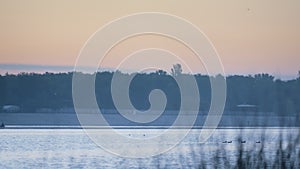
32 91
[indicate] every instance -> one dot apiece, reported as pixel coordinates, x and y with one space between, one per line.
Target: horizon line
12 68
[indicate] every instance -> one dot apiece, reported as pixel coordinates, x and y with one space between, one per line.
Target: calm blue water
72 148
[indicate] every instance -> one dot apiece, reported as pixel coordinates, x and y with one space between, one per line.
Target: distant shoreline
68 120
132 127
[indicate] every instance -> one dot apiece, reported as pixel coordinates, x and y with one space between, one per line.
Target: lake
72 148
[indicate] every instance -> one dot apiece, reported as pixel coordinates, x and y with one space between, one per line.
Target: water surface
72 148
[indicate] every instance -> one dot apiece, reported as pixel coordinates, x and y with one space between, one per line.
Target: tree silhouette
161 72
176 70
33 91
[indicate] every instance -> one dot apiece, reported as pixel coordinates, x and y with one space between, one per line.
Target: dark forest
31 91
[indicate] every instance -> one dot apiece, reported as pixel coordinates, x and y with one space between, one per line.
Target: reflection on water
72 148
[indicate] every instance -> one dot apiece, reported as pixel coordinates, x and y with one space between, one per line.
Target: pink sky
250 36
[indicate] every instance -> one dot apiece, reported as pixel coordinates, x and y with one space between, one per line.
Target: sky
250 36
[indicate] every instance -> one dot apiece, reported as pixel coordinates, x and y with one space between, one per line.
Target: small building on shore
11 108
247 108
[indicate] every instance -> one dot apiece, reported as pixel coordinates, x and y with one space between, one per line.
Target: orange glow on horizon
250 36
